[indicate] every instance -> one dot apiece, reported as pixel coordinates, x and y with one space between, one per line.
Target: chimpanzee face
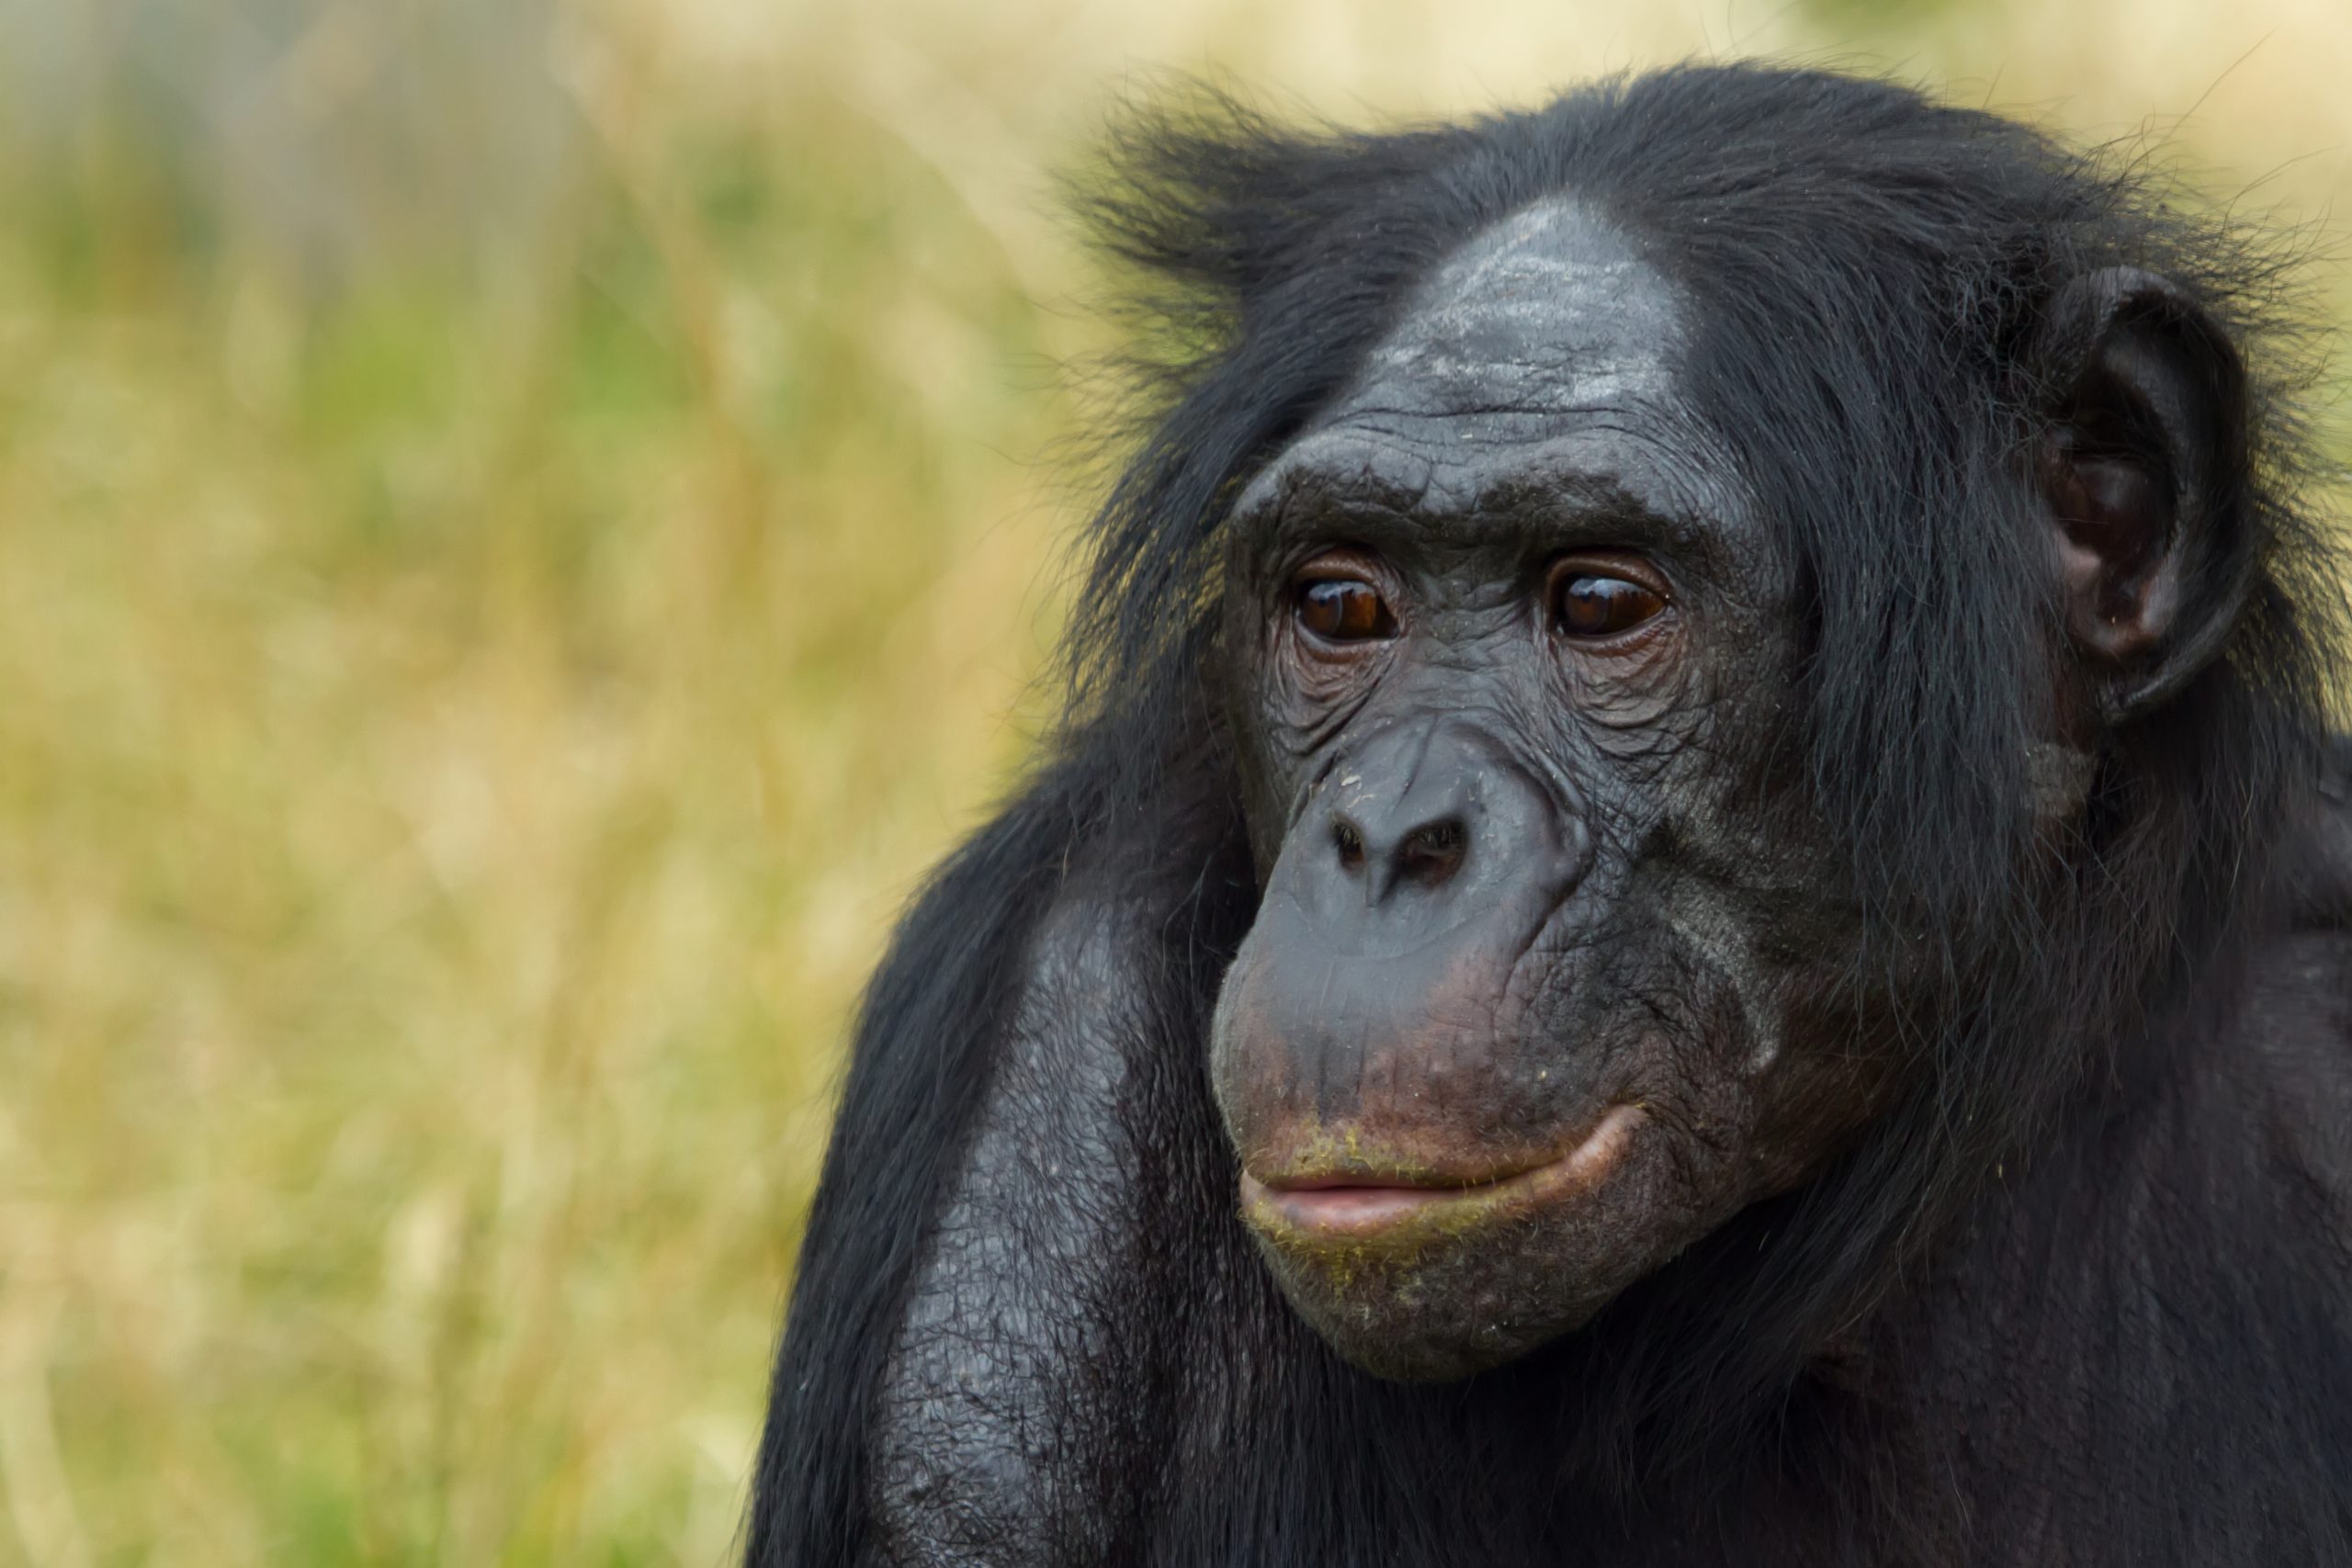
1525 1010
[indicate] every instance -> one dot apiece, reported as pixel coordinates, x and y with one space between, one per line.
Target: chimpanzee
1694 906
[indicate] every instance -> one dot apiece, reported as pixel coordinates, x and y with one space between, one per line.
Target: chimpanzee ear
2142 463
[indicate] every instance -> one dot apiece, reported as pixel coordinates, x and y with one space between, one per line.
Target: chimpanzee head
1712 621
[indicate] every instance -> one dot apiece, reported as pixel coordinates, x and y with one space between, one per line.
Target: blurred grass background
524 528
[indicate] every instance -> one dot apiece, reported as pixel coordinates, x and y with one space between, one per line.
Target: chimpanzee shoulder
2142 1352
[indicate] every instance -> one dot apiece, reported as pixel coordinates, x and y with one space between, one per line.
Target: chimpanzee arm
963 1321
995 1411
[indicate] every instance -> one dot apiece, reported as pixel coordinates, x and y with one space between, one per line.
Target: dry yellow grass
523 530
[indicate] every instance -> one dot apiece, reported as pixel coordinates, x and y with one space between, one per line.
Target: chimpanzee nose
1429 843
1430 820
1402 848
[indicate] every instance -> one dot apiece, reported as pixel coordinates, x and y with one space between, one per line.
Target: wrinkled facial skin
1533 999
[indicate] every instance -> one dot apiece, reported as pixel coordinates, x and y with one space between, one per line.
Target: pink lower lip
1343 1209
1350 1207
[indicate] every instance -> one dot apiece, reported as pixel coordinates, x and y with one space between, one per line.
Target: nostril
1432 853
1425 856
1349 841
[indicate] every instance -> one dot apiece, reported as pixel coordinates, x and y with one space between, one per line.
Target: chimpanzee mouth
1403 1202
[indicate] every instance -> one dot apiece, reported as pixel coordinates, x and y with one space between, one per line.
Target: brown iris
1344 609
1590 600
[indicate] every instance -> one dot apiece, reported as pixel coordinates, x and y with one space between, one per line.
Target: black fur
2084 1296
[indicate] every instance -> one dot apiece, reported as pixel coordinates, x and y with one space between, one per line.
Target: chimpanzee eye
1590 601
1344 609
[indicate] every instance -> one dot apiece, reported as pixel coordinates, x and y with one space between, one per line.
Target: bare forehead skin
1546 312
1541 351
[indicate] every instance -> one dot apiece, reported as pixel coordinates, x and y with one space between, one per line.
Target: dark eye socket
1344 609
1591 598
